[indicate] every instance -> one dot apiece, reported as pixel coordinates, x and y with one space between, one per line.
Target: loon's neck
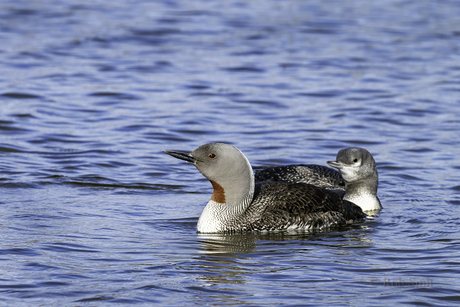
363 194
228 203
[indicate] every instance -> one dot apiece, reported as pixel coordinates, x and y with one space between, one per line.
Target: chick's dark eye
212 156
355 160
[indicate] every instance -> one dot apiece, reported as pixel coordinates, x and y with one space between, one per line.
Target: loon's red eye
212 156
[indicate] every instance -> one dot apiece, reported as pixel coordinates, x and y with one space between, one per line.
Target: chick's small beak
183 155
335 164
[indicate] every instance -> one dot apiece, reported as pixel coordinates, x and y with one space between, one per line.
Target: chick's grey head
355 164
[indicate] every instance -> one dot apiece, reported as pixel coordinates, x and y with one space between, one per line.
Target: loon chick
317 175
359 171
240 204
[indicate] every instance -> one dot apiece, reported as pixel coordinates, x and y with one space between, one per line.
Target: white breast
365 201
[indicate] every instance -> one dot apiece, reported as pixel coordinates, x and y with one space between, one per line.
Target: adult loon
240 204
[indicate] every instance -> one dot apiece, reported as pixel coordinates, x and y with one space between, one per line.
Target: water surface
93 213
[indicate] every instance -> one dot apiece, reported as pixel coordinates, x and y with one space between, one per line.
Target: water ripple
94 212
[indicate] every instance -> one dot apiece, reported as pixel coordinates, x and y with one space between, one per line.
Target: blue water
93 213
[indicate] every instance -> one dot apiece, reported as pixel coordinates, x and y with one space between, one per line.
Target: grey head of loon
359 171
239 204
226 167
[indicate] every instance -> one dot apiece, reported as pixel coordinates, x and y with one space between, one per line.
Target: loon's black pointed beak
183 155
335 164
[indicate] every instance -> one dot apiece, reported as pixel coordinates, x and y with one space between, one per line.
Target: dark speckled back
278 205
317 175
